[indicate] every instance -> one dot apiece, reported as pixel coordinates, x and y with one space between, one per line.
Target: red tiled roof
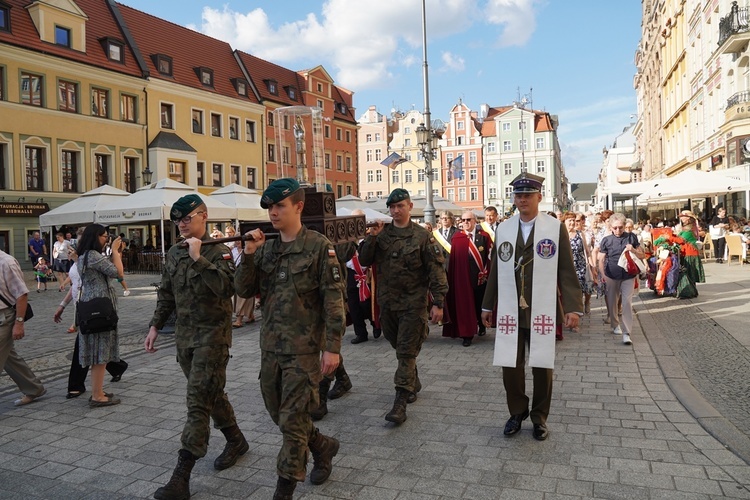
100 24
341 96
188 49
261 70
542 122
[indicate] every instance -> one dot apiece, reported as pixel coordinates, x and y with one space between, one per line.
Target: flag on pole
457 166
392 160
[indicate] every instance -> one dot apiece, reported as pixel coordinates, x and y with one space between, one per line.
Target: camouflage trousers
206 371
289 384
406 331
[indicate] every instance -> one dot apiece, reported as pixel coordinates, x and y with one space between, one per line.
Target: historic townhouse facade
72 110
463 137
410 173
375 131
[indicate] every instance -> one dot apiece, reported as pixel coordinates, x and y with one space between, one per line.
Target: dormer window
4 17
342 108
62 36
206 75
272 88
291 92
163 64
240 86
114 49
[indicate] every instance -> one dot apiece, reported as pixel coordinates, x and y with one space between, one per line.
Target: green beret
278 190
398 194
184 206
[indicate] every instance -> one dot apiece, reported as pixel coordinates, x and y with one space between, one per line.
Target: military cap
278 190
184 206
398 194
527 183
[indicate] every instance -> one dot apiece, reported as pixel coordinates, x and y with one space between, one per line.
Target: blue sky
576 55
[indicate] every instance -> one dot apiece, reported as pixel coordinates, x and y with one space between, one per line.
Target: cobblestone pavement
616 428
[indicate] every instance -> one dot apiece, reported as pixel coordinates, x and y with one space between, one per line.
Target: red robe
459 301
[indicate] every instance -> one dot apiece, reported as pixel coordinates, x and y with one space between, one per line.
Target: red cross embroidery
543 325
506 324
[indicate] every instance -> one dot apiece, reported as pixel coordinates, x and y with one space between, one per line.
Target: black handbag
96 315
29 312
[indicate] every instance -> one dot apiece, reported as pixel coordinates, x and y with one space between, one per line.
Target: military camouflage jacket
408 262
301 290
201 291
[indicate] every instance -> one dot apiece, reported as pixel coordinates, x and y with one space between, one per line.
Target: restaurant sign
9 209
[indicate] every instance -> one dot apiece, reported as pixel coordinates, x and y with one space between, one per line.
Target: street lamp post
425 139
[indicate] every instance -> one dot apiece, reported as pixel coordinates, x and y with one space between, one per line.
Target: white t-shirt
60 250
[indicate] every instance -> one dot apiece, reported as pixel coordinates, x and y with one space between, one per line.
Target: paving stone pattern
616 429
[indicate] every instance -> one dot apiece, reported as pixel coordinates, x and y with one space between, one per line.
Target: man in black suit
447 228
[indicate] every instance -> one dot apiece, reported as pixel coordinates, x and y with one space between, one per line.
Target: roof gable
68 6
261 72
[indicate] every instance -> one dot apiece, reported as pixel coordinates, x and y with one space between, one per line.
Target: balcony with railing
738 107
734 29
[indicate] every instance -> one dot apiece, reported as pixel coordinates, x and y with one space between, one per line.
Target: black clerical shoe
376 333
513 425
540 432
359 340
467 341
482 331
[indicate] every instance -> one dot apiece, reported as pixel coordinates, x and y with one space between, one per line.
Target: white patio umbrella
81 210
245 200
370 214
691 184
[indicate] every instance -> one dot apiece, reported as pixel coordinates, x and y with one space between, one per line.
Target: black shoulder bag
96 315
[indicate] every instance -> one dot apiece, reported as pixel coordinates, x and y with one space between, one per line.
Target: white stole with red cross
543 289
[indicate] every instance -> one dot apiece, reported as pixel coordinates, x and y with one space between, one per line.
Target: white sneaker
126 293
617 330
626 339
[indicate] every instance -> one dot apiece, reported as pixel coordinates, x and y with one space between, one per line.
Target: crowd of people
526 276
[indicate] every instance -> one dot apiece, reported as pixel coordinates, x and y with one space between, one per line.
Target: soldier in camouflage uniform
302 297
198 283
409 263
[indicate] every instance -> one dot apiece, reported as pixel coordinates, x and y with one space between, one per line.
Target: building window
114 51
378 175
339 165
522 144
461 194
368 138
251 178
66 95
407 176
241 86
343 109
271 152
177 171
215 125
523 166
540 142
207 77
327 131
216 175
541 166
320 87
197 121
339 190
473 194
348 136
395 177
507 168
234 171
407 130
370 177
31 89
163 64
448 157
407 143
472 157
4 18
420 175
451 194
69 164
338 134
493 193
201 168
407 156
130 168
167 118
508 191
101 174
62 36
270 119
285 155
234 128
292 93
320 104
378 154
368 155
490 147
459 125
249 131
127 108
2 83
459 140
491 170
506 145
506 126
272 88
286 122
34 169
348 164
473 174
348 189
327 161
100 103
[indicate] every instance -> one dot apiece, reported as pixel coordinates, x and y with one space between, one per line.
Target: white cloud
357 41
517 18
452 63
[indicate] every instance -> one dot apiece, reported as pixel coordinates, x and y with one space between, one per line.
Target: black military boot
343 384
412 396
323 449
398 413
322 409
235 447
284 489
178 487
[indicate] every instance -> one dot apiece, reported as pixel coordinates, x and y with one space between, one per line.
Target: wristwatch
19 319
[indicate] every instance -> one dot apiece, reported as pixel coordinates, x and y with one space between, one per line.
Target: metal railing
738 98
737 21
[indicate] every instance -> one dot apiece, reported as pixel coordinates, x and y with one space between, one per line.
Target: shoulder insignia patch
226 256
336 273
331 252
